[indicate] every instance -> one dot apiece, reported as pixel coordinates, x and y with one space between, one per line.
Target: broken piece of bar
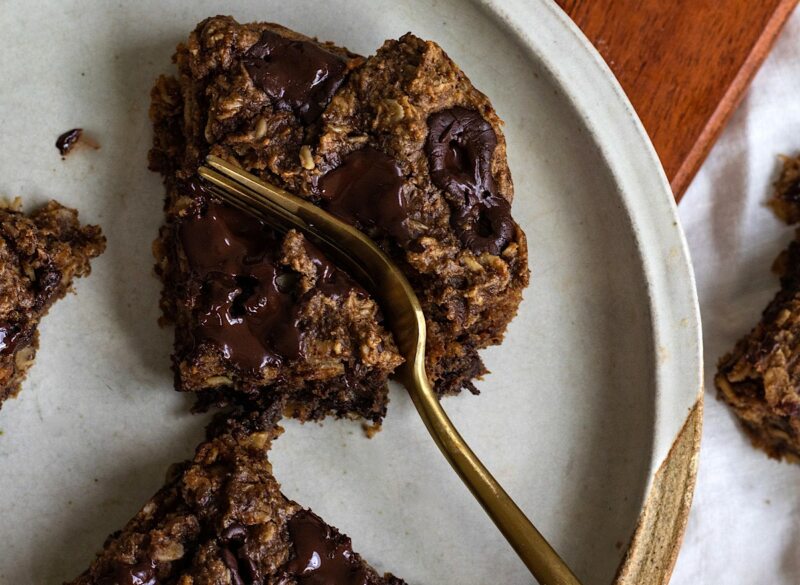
40 255
399 144
221 518
261 317
760 378
414 155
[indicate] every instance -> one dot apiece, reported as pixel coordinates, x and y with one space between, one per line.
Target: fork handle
541 559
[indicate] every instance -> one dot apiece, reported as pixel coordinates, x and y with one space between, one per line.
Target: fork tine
240 204
244 198
243 178
230 190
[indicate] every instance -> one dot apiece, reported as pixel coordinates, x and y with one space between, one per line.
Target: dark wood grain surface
683 63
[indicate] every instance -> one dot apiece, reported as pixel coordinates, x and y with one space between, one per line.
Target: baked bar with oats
260 316
399 144
414 155
40 255
221 519
760 378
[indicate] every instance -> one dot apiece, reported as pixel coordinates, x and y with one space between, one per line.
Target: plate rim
673 465
546 31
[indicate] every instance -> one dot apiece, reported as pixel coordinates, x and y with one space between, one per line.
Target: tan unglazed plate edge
596 96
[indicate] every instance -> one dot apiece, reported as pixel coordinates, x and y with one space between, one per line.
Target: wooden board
683 63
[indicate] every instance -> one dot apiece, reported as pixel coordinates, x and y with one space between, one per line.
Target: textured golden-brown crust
220 519
760 378
40 255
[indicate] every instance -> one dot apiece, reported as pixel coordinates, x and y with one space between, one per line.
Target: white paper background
744 527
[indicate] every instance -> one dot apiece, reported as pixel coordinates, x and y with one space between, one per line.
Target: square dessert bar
399 144
221 518
254 309
40 255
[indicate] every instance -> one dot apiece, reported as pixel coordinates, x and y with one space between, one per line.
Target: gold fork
369 265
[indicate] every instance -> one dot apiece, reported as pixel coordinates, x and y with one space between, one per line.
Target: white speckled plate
597 377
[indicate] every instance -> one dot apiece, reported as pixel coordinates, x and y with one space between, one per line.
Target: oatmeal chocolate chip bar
260 316
437 197
221 518
40 255
399 144
760 378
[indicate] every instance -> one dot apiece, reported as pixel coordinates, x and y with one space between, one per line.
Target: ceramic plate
597 378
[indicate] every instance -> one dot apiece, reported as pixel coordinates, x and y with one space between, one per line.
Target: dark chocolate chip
67 140
142 573
287 282
366 190
299 76
331 281
10 336
47 280
243 569
460 147
323 556
233 566
234 533
488 228
248 305
249 568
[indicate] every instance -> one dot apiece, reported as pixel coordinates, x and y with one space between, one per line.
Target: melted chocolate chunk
243 310
47 280
366 190
224 240
234 533
331 281
11 337
322 555
249 305
232 563
67 140
488 227
460 147
299 76
243 569
142 573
